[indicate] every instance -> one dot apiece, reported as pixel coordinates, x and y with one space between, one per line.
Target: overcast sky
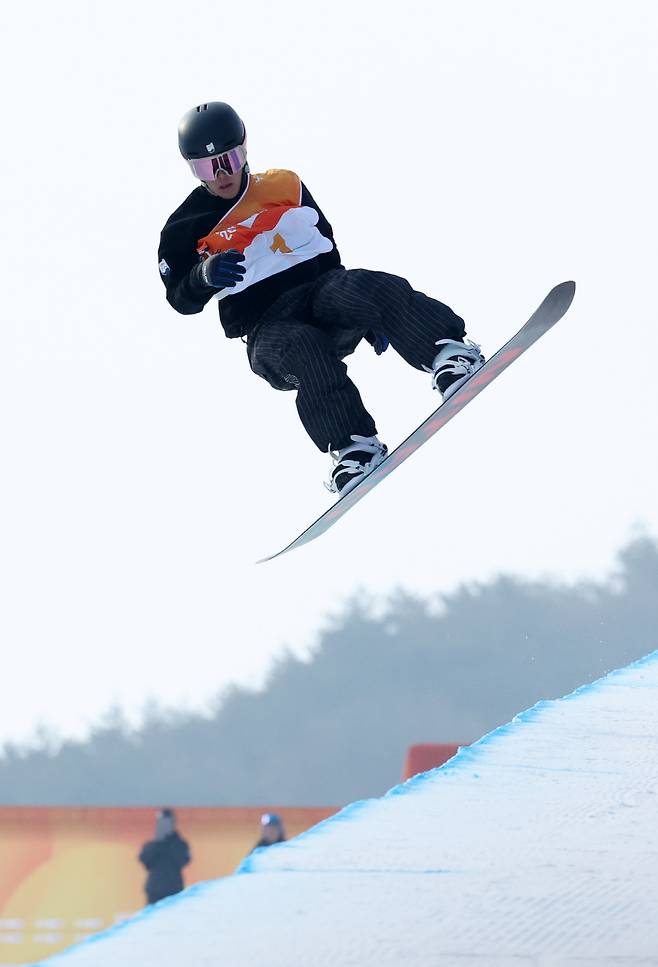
145 468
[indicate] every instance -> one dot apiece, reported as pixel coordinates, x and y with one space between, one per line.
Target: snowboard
544 318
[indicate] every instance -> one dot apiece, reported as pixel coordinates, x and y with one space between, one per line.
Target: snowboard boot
354 462
453 364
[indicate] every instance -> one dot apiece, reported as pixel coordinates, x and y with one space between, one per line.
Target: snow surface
537 845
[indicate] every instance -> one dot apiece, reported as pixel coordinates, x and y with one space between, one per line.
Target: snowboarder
261 246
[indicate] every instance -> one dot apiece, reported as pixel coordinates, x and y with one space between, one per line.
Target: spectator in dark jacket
272 830
164 857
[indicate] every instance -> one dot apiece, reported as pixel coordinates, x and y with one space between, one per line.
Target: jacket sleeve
184 856
149 854
329 260
181 273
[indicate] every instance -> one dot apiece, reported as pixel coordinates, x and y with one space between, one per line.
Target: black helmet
209 129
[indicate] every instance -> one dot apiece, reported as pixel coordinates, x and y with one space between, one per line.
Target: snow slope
537 845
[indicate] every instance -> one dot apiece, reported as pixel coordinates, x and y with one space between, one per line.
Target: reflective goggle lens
230 162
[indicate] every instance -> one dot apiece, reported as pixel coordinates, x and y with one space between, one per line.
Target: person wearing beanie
164 858
271 830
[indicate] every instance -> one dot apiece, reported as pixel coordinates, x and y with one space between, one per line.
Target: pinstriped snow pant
301 340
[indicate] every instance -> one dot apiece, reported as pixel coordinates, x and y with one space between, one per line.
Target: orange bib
270 227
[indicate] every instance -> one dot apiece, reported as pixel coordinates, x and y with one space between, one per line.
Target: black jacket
179 260
164 859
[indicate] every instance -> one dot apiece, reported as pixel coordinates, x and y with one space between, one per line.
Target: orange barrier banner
426 756
67 872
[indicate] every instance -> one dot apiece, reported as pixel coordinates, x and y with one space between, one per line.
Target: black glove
223 270
378 341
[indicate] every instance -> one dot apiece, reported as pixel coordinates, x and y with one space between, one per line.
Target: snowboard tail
544 318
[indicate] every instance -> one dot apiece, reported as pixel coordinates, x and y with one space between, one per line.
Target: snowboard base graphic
544 318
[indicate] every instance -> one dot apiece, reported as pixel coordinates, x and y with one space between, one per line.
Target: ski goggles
230 162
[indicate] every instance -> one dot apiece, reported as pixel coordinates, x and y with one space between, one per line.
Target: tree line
335 727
